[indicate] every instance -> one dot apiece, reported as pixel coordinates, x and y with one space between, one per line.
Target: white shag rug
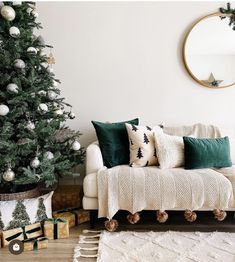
166 246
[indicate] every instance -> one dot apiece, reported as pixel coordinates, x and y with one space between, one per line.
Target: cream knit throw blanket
151 188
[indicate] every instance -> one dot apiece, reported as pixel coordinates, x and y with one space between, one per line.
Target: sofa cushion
170 150
142 146
206 152
113 142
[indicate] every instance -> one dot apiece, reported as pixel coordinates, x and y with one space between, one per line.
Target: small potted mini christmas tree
35 144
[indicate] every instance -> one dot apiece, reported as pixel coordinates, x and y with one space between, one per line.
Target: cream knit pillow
170 150
142 145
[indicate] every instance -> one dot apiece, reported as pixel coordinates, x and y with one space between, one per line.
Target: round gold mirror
209 52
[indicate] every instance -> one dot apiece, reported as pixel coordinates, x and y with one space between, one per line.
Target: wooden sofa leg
93 218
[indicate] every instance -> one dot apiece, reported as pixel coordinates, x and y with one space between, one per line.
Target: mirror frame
184 55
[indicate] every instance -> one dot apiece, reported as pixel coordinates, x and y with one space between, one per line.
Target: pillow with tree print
142 145
18 213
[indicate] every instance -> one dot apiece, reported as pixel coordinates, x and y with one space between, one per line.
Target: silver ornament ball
59 112
51 94
13 88
72 115
8 175
49 155
35 163
34 14
4 110
50 70
43 108
18 63
76 146
17 3
14 31
42 93
8 13
30 125
32 50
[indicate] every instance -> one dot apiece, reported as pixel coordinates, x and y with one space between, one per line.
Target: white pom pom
30 125
49 155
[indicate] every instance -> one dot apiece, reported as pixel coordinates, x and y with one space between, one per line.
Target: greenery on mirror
35 144
231 12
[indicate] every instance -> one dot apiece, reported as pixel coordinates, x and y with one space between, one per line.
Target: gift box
74 216
35 243
68 214
66 196
22 233
56 228
83 216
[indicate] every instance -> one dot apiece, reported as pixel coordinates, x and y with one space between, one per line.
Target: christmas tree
139 154
1 222
20 216
35 143
146 140
41 212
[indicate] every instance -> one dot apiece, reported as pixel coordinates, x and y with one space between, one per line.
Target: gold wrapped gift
22 233
56 228
74 216
83 216
35 243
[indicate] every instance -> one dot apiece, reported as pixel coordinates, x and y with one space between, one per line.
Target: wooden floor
61 250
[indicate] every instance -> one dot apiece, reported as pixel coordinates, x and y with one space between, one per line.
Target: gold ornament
8 13
8 175
51 59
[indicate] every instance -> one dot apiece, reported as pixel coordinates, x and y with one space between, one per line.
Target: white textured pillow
170 150
142 145
18 213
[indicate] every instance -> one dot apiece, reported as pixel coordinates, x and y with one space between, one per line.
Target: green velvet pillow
206 152
113 142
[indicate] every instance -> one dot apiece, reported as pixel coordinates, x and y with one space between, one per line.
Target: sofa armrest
94 159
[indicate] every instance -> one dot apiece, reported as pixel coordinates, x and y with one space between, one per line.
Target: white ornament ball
59 112
17 3
30 125
42 53
32 50
14 31
55 83
76 146
50 70
72 115
4 110
35 163
34 13
43 107
29 10
49 155
8 13
18 63
51 94
13 88
8 175
42 92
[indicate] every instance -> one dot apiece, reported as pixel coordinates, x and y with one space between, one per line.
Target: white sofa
94 163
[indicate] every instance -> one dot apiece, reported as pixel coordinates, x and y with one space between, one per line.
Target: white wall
120 60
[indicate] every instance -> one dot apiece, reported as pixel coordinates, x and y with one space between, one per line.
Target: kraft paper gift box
74 216
83 216
22 233
35 243
56 228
